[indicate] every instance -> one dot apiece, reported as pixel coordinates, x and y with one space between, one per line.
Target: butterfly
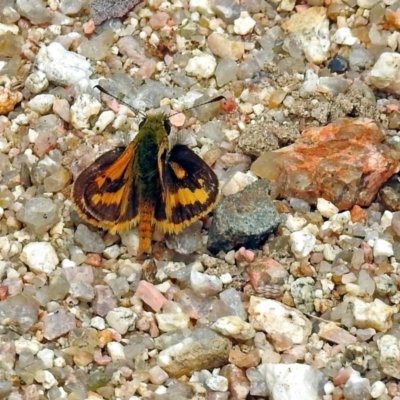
151 183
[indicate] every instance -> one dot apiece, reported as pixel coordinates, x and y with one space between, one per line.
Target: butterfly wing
189 190
104 193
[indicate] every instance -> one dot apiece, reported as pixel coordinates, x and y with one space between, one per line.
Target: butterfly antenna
119 100
215 99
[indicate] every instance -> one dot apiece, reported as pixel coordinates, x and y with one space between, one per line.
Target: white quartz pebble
121 319
302 244
326 208
40 257
383 248
202 66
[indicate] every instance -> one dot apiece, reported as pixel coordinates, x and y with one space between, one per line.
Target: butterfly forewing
190 190
106 190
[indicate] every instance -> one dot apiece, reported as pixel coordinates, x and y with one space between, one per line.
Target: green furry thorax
151 136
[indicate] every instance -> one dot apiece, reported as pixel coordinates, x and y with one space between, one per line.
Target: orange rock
89 27
8 100
93 259
104 337
244 360
345 162
358 214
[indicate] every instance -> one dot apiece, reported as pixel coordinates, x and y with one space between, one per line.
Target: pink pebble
177 119
61 107
343 376
112 104
101 359
89 27
244 255
158 20
301 7
150 295
115 335
392 107
147 69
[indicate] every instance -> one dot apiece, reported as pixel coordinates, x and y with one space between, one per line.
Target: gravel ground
306 309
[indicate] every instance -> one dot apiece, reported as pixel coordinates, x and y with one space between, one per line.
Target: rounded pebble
40 257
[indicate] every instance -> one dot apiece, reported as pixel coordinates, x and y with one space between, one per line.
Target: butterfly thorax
150 140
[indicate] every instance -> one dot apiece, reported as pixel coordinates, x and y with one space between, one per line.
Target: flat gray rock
243 219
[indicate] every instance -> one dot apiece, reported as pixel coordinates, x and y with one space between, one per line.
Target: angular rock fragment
335 334
385 74
345 162
309 31
377 315
389 355
292 381
243 219
57 324
8 100
20 311
100 10
203 349
271 316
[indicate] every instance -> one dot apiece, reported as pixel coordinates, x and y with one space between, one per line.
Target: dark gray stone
243 219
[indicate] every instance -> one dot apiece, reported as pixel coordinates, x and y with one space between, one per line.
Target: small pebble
42 103
338 64
84 107
40 257
157 375
171 322
234 327
90 241
205 285
326 208
294 223
302 244
36 82
150 295
217 383
116 351
378 388
57 324
105 118
244 24
383 248
62 66
201 66
121 319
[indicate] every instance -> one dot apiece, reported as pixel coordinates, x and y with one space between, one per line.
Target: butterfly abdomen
146 227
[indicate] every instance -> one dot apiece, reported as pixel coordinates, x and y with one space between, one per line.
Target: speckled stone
244 219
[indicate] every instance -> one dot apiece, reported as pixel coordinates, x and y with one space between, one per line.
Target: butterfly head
157 121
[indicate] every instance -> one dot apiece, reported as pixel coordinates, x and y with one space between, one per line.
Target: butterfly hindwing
189 190
105 193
